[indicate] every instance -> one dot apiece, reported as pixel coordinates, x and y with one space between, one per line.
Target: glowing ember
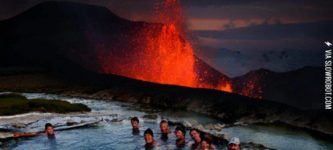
225 87
251 89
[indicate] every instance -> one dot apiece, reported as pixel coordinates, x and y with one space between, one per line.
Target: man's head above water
180 132
180 135
234 144
49 129
206 144
149 138
164 126
135 123
195 135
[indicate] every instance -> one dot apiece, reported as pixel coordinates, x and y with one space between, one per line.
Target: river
112 130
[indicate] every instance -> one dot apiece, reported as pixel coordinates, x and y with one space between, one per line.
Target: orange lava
169 59
162 54
227 87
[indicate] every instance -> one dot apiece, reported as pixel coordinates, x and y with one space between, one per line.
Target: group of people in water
200 142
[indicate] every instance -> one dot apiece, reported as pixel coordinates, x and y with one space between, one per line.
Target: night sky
236 36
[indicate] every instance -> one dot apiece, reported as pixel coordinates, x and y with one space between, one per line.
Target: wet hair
181 128
207 139
149 131
135 119
200 133
164 121
194 129
48 125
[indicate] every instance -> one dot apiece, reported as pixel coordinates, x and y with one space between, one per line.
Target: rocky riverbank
12 104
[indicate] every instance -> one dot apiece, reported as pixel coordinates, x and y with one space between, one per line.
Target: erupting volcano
163 55
100 41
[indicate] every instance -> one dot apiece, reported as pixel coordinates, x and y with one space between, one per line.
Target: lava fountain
170 59
161 54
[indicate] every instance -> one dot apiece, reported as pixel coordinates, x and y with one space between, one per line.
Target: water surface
113 130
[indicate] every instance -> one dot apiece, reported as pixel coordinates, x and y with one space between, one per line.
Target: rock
240 123
10 101
187 124
146 100
221 136
209 127
113 115
79 125
19 125
215 126
70 123
116 120
199 127
150 116
6 135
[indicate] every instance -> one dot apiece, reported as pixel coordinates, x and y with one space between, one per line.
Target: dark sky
239 35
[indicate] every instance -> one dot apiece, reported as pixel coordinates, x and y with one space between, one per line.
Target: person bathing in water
180 135
165 130
149 138
206 144
196 136
234 144
135 126
48 131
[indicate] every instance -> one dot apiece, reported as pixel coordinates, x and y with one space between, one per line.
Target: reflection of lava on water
162 55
